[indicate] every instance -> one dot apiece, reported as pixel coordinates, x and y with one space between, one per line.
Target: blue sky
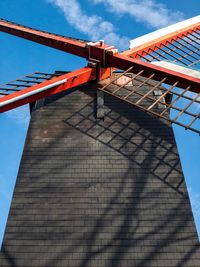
112 20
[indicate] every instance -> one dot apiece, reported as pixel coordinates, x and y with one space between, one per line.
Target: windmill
150 56
105 189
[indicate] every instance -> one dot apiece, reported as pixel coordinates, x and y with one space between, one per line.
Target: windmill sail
179 43
38 85
157 98
175 88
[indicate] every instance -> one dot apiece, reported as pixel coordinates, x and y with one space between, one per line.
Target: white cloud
19 115
93 26
151 12
155 14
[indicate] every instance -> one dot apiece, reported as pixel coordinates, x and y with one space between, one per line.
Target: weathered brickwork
99 193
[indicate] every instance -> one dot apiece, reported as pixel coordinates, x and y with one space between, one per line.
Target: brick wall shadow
99 193
133 137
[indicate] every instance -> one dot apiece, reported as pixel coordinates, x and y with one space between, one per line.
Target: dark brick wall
99 194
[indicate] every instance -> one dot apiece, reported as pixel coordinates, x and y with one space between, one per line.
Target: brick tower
99 192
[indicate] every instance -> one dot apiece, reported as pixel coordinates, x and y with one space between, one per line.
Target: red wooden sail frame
102 58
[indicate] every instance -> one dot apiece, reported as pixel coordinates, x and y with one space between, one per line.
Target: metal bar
43 31
123 62
175 100
196 37
3 94
163 95
159 54
47 88
47 74
15 80
148 83
17 85
161 41
197 33
174 50
179 47
164 104
131 79
152 99
190 43
31 93
76 47
185 109
186 97
194 63
9 89
152 112
150 91
144 58
144 82
66 44
197 117
122 74
38 78
44 73
185 56
28 81
153 56
193 41
171 55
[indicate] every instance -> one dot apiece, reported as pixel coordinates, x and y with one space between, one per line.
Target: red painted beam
65 44
90 51
104 54
154 45
47 88
122 62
